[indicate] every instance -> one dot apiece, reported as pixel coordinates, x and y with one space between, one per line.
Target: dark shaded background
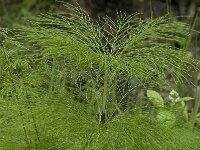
12 11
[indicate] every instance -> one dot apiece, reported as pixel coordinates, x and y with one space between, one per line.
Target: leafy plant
172 112
66 78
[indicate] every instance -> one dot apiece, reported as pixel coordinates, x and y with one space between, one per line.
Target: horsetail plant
67 77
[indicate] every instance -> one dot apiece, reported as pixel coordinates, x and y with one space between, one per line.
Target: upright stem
53 72
169 6
35 126
27 140
196 108
197 98
151 9
105 92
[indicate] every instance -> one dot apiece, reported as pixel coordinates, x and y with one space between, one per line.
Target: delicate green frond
146 43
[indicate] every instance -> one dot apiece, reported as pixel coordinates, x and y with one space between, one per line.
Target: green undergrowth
63 124
66 82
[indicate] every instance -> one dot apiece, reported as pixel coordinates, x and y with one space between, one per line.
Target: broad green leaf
156 98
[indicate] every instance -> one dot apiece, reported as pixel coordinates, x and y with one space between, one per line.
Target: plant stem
169 11
27 141
151 9
197 98
196 108
105 91
192 29
35 126
51 85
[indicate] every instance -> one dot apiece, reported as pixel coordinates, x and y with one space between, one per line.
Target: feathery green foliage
44 66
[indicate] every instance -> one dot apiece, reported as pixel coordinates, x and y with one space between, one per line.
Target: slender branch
105 90
196 108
